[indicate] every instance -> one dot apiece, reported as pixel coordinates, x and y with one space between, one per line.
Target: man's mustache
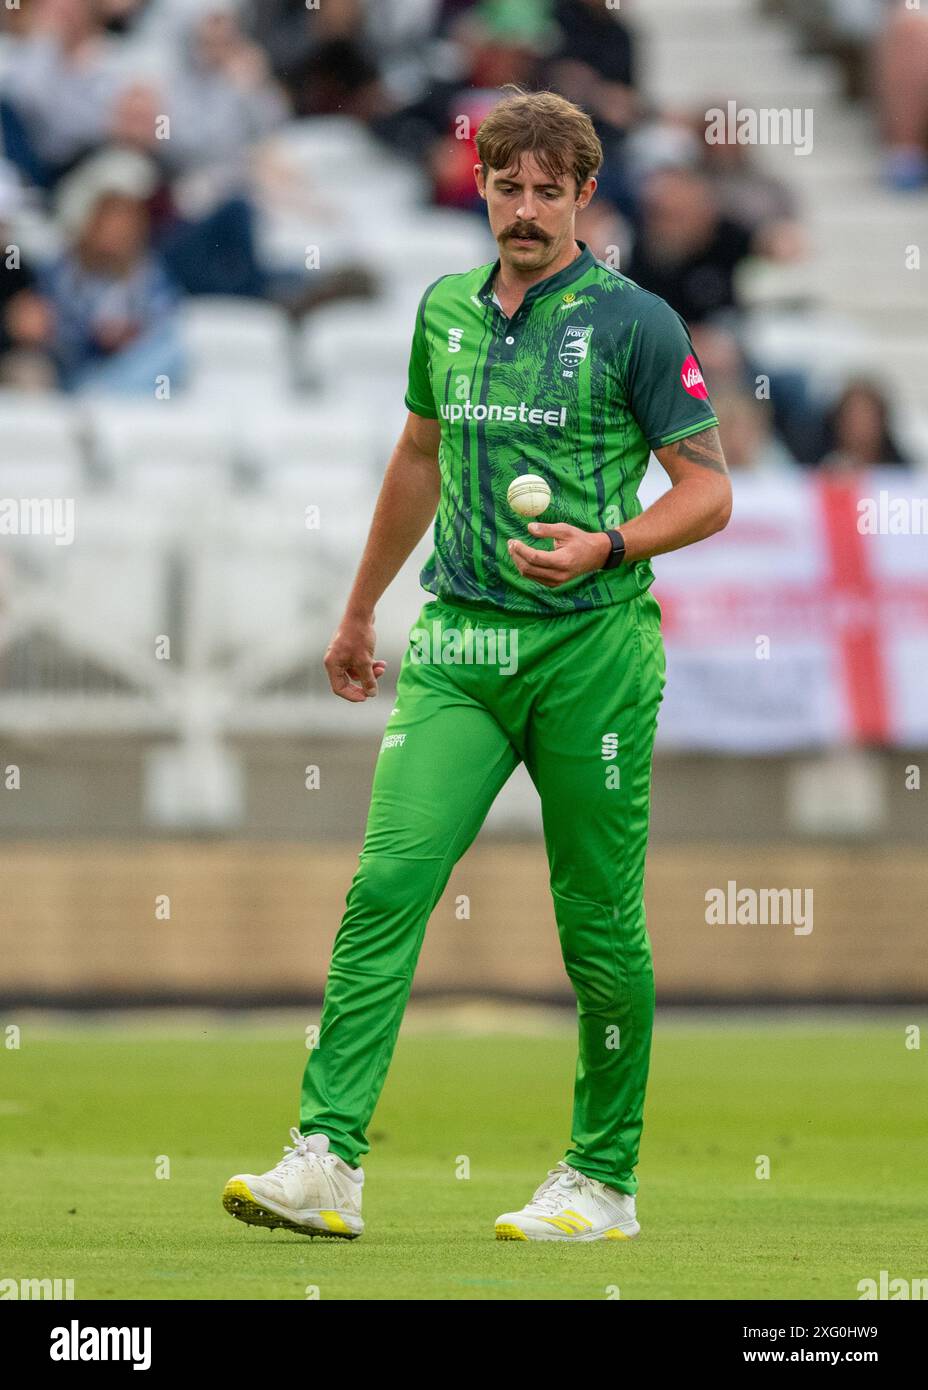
527 232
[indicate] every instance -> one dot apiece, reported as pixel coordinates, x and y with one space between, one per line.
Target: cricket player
545 362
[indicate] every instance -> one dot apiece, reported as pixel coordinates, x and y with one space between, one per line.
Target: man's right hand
349 660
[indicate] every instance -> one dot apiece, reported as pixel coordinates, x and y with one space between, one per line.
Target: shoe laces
298 1150
557 1186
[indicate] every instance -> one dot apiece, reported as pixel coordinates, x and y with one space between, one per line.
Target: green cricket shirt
589 375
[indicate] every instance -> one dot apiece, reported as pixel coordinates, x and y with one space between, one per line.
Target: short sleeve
664 386
419 396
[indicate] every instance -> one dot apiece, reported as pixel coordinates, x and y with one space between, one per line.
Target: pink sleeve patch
692 380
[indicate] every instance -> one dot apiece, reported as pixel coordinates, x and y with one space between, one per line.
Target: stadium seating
193 510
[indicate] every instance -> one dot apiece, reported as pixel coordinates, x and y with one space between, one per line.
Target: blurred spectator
757 201
202 221
121 16
662 140
320 55
338 79
882 49
497 43
594 66
795 414
858 433
687 251
62 84
605 231
26 324
723 363
290 31
137 109
221 100
901 89
746 429
214 254
684 249
112 300
596 38
843 29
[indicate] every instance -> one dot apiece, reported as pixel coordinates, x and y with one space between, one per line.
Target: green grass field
839 1108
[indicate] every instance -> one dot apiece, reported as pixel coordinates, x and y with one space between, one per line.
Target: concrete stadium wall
254 923
97 786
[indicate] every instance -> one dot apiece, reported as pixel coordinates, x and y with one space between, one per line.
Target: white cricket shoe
570 1206
311 1191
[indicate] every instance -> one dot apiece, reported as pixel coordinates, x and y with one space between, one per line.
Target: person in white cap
113 299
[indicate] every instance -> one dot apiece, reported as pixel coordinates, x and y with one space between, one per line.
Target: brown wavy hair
559 134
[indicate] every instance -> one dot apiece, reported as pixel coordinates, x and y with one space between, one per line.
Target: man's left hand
575 552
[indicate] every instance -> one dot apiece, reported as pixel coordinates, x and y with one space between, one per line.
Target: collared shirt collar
577 267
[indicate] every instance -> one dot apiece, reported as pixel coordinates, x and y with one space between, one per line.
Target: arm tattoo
704 448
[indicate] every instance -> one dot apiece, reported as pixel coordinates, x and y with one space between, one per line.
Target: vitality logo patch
691 377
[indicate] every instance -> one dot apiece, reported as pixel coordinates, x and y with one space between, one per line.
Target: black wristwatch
617 553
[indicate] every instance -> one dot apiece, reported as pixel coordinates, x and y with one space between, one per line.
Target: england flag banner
805 622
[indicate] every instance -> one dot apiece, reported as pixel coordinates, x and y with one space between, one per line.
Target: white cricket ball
528 494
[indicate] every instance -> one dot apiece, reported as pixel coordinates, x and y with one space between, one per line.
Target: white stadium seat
229 332
411 253
117 537
355 341
329 144
317 457
167 447
38 426
40 451
40 478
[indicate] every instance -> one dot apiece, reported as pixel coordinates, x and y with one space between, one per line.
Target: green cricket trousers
575 697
